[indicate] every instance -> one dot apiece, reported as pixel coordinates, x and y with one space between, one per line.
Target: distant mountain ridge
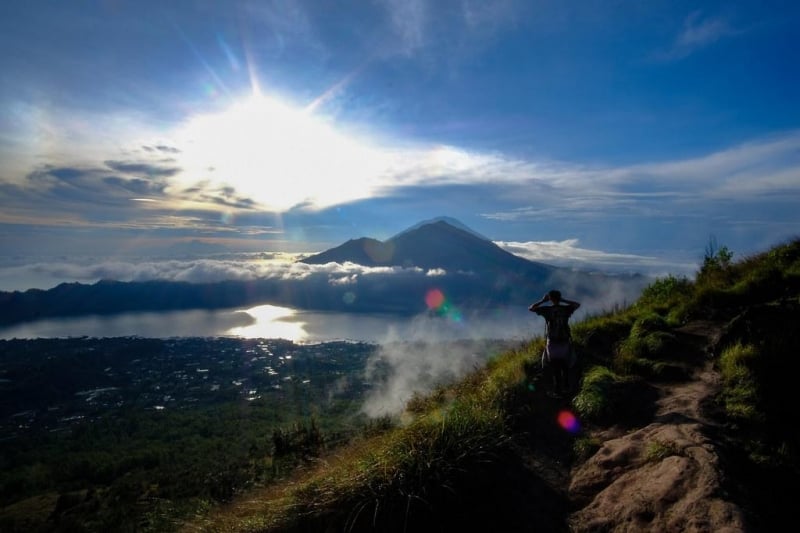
437 244
471 271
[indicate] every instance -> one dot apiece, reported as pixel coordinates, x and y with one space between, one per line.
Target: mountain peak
439 243
443 220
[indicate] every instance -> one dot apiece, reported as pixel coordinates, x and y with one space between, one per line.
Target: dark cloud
167 149
50 174
69 174
231 201
161 148
137 185
59 185
225 196
147 169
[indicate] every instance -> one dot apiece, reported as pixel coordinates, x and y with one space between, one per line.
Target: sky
619 134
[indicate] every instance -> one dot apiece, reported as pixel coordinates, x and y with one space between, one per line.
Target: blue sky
620 133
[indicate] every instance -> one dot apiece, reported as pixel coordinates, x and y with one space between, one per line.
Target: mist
436 350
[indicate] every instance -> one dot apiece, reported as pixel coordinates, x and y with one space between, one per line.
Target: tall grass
433 460
594 401
740 392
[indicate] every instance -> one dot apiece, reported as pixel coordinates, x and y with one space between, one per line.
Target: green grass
454 433
740 393
658 450
595 399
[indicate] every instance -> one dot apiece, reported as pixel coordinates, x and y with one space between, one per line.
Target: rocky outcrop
667 476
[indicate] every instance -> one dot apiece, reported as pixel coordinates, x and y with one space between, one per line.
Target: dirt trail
665 476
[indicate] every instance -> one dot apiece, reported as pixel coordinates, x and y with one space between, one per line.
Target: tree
716 266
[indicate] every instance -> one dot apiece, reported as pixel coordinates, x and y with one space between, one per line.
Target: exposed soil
667 475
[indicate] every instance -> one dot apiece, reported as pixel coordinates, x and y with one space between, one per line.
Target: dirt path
665 476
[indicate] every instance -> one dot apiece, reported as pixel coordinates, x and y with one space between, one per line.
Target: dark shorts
557 350
559 353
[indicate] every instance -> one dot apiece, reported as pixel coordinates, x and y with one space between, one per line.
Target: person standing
558 345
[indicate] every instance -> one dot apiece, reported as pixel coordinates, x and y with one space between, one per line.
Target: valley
97 433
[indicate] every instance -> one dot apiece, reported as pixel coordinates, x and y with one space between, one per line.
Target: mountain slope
438 244
473 273
684 415
480 273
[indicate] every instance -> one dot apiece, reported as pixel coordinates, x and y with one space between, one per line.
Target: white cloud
409 19
679 188
193 187
698 32
195 271
568 253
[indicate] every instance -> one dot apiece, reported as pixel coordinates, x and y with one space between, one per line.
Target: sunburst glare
279 156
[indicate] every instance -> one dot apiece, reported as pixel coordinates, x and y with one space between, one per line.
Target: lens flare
436 302
568 421
434 299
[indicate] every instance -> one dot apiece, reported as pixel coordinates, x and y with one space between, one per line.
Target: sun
279 156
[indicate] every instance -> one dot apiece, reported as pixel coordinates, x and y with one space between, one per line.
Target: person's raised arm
572 303
535 306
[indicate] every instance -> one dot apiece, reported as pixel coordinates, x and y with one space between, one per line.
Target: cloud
285 22
409 20
749 172
568 253
729 184
122 194
445 33
239 268
143 169
698 32
162 148
137 185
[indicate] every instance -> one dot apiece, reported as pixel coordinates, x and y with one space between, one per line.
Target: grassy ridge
457 453
443 457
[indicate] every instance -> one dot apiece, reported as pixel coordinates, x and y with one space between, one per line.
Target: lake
269 321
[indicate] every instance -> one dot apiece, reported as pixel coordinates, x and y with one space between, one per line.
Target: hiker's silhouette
558 353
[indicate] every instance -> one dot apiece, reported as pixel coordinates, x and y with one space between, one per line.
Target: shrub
649 323
630 355
594 399
716 269
665 293
740 387
593 336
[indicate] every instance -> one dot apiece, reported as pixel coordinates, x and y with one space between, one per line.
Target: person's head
555 296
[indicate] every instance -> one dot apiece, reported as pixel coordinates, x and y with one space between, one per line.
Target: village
51 385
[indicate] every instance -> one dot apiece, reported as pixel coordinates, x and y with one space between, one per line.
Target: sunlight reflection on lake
270 321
